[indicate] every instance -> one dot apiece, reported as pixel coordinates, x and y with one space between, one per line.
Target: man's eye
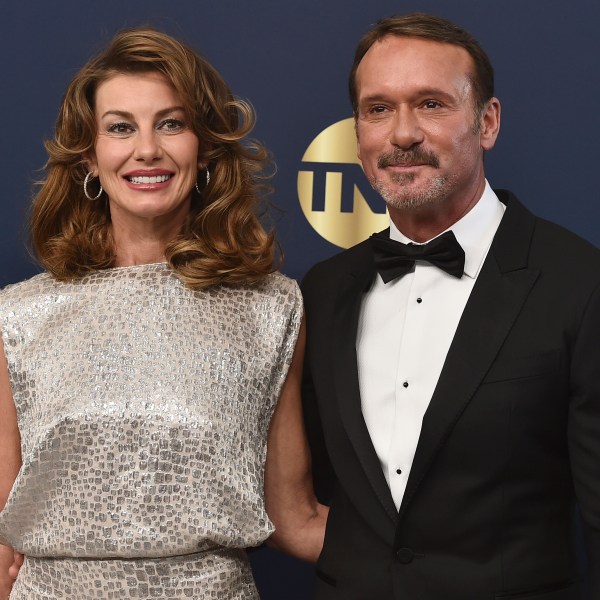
431 104
377 109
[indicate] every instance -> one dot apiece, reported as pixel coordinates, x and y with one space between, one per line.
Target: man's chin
410 193
411 199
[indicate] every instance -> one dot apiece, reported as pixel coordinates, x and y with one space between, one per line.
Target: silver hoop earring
207 181
85 188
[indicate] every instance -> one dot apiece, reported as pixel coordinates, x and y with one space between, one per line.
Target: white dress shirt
405 330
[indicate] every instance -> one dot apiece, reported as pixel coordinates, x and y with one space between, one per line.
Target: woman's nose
147 146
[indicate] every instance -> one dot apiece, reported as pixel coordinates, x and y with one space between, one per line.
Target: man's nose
406 129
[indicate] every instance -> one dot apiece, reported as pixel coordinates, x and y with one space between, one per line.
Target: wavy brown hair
223 240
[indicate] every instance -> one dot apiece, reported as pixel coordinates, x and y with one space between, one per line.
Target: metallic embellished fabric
143 409
219 574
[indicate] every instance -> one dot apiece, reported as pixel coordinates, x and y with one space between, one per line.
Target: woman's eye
171 125
120 128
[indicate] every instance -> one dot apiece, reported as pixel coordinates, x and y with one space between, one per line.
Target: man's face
419 140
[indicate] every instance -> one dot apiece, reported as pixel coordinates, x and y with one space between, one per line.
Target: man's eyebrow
423 92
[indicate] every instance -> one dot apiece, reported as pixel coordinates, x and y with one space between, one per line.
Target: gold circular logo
335 196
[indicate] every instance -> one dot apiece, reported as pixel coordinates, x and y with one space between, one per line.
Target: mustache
415 156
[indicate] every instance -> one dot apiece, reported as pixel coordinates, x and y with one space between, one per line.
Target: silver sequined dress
143 408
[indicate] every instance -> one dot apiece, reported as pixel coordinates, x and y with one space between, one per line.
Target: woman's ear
89 159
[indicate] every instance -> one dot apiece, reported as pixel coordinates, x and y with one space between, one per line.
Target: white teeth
153 179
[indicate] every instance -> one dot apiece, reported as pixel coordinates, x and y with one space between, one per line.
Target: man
455 415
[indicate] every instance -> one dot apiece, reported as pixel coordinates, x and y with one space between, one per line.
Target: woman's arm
298 517
10 463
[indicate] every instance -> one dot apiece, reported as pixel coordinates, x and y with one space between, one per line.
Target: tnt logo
335 196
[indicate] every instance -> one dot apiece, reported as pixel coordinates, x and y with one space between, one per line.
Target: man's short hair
429 27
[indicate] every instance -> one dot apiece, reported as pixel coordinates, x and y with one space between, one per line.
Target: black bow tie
395 259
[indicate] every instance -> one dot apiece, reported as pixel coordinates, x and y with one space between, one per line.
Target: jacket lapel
495 302
346 377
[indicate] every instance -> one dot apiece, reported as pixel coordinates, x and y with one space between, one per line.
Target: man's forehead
411 44
416 57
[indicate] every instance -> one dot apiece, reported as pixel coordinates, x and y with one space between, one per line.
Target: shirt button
399 471
405 384
419 300
405 555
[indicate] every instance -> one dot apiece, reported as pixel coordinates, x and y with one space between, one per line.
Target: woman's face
146 154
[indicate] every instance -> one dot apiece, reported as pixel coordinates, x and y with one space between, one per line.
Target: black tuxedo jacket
509 444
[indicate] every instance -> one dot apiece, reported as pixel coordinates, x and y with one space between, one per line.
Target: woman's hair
223 240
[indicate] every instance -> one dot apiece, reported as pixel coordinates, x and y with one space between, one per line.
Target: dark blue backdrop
291 60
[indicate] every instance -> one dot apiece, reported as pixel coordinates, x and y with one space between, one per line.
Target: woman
143 372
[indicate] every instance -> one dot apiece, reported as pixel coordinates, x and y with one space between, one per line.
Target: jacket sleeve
323 474
584 434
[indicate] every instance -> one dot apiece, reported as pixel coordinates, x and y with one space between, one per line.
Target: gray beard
402 199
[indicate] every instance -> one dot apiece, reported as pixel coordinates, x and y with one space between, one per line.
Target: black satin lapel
347 385
489 314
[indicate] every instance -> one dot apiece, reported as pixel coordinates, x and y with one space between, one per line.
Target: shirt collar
474 231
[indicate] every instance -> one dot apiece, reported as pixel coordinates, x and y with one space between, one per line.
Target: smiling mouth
146 180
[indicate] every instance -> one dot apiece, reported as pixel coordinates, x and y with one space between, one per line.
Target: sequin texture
143 408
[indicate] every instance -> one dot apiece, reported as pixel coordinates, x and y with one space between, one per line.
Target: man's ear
490 124
357 136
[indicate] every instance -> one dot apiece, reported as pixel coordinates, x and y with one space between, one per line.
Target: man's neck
422 224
